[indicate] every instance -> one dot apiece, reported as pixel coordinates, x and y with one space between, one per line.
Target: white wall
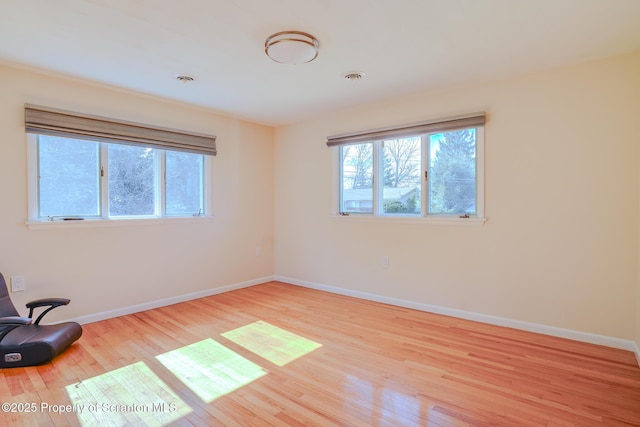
104 269
560 247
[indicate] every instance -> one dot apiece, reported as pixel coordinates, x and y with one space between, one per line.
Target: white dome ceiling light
291 47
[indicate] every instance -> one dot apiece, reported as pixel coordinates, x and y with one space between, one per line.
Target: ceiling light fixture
291 47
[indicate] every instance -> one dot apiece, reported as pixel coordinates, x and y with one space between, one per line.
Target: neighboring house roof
388 193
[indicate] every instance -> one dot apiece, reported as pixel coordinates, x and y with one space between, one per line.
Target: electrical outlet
258 251
17 283
384 262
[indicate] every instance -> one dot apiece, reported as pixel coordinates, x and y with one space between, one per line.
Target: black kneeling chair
24 342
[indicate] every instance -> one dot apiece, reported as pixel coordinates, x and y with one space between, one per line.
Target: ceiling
402 46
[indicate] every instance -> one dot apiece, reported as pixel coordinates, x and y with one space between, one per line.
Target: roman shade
49 121
442 125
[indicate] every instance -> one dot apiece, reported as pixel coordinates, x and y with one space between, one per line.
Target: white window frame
34 221
378 171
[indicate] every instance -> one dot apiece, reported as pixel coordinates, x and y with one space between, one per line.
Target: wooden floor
277 354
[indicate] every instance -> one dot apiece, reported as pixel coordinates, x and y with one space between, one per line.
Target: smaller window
430 169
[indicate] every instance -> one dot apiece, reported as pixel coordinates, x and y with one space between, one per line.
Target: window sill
125 222
431 220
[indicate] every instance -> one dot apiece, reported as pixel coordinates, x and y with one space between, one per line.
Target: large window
430 173
138 181
84 167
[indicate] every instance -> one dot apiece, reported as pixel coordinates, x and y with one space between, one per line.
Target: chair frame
12 322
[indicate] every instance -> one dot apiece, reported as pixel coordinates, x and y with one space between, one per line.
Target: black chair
24 342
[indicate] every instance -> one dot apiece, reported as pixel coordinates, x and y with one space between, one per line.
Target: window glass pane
69 181
401 187
357 178
452 172
184 183
131 180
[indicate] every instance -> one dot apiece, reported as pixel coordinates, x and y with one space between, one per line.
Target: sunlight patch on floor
210 369
276 345
132 395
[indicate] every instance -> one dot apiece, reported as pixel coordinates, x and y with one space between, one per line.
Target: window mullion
206 183
341 207
480 171
378 177
424 188
160 183
104 180
33 184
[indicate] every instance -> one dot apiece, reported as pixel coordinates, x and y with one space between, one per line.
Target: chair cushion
37 344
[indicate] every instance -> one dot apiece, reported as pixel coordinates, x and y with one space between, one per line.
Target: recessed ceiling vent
354 76
183 78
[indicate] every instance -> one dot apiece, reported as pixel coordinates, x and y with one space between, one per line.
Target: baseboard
166 301
478 317
462 314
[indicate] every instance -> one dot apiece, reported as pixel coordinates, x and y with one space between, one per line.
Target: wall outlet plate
384 262
17 283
